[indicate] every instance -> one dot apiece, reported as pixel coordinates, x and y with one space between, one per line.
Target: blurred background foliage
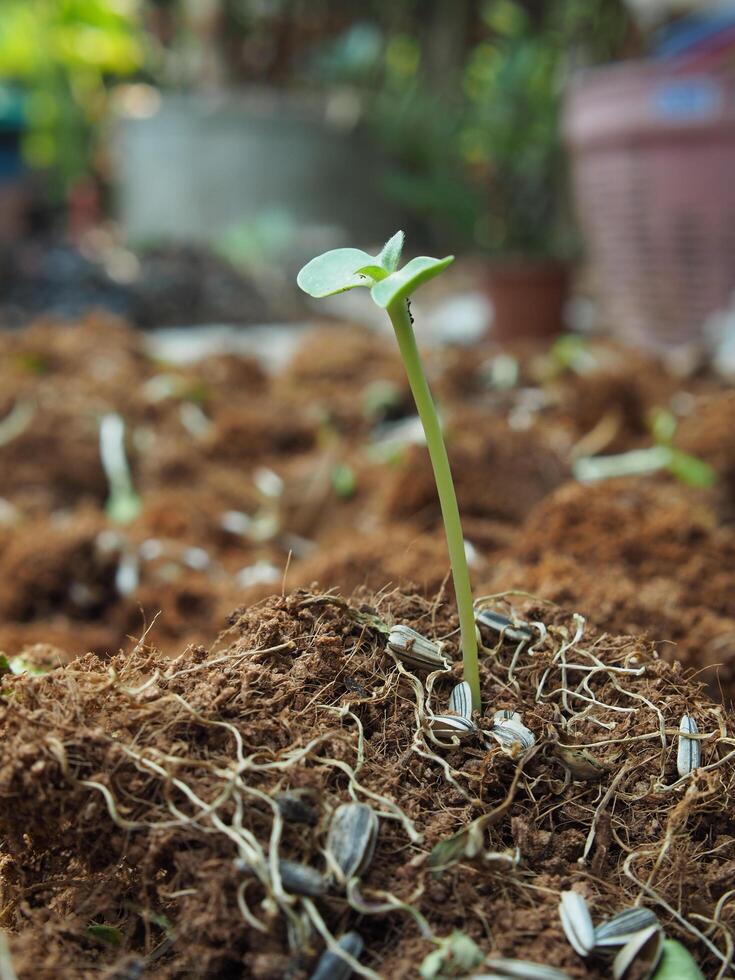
60 55
461 96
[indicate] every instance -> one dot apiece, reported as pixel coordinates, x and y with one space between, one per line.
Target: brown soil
129 787
236 471
639 556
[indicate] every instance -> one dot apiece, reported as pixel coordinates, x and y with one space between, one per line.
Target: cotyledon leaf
399 285
677 963
334 272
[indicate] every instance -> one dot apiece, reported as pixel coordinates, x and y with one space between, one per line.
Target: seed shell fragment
577 922
334 967
452 726
497 623
461 700
689 754
505 714
617 930
353 834
415 650
298 879
512 734
643 949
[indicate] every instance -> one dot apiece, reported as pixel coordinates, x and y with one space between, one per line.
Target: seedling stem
390 288
401 320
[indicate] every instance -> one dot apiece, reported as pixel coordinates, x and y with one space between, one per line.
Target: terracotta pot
528 297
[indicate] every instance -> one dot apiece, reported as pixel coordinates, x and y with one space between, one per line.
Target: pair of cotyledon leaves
345 268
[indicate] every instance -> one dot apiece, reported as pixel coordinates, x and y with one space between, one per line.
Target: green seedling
107 935
686 468
123 503
344 481
391 288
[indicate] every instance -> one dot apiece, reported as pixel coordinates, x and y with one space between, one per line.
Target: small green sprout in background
107 935
686 468
344 481
390 287
380 400
123 503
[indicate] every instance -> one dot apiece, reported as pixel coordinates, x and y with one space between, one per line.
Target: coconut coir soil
129 787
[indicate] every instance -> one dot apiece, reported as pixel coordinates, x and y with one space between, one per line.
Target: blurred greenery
461 96
474 140
63 53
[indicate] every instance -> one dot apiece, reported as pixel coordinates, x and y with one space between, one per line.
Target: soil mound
149 807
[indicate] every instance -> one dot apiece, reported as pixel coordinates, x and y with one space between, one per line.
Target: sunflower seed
512 733
505 714
461 700
689 755
577 922
520 970
452 725
333 967
498 623
415 650
352 837
298 879
617 930
293 806
643 948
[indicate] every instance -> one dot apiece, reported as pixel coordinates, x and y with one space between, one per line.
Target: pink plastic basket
653 164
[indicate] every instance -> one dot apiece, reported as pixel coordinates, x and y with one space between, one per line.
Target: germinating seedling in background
344 268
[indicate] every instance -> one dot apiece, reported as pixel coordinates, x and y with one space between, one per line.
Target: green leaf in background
663 426
400 285
19 665
334 272
344 481
391 254
379 398
108 935
690 470
677 963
